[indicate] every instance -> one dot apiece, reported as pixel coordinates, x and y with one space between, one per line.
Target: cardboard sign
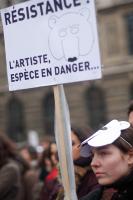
50 43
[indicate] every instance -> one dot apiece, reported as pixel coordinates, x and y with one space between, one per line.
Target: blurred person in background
53 147
34 157
25 153
45 165
84 176
12 171
33 185
53 153
51 183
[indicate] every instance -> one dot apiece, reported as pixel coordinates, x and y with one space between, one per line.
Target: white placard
51 42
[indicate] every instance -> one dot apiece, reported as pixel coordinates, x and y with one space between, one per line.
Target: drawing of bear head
71 35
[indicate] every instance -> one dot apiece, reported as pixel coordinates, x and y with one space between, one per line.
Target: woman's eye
73 143
103 153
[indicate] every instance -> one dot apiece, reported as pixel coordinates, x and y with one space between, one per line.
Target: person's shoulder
94 195
11 164
11 167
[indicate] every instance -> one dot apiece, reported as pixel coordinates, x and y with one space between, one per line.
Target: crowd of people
103 165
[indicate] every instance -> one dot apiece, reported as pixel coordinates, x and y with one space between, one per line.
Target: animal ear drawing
85 13
52 21
71 35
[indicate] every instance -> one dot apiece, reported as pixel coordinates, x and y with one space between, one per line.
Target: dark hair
45 155
127 135
33 152
130 108
81 133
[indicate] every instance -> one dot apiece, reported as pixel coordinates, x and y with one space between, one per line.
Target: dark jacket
99 194
123 190
87 184
94 195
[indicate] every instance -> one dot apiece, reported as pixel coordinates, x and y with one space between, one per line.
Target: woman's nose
95 162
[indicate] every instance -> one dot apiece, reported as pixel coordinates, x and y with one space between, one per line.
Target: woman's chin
104 182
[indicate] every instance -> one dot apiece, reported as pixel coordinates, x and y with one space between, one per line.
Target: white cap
107 134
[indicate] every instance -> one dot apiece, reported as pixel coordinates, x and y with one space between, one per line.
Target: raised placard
51 42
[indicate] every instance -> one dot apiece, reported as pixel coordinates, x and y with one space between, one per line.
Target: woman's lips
98 174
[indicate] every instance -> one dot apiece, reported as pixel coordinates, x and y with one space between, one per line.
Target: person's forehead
74 136
53 145
106 147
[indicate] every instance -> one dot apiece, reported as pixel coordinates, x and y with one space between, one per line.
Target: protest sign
50 43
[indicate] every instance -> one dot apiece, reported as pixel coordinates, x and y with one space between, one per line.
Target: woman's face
48 164
109 164
75 146
53 148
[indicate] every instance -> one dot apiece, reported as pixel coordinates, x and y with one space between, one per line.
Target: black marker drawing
71 35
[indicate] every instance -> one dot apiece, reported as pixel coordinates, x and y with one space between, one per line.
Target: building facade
91 103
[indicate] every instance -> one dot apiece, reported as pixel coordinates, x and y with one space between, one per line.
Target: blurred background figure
40 165
84 176
45 165
32 185
12 171
33 153
53 153
25 153
130 113
50 173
